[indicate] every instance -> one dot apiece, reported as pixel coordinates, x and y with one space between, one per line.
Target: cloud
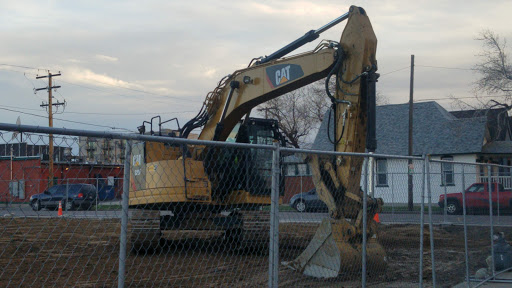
298 8
209 72
81 75
106 58
72 60
152 88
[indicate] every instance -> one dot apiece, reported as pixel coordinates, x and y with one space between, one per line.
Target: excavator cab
248 169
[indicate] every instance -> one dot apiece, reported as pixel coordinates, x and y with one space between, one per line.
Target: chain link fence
161 211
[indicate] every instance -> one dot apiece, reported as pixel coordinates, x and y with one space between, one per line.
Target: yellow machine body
164 176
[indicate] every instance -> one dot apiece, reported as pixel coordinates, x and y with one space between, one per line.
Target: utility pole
410 167
50 105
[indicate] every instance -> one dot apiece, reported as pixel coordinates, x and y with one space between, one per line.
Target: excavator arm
337 244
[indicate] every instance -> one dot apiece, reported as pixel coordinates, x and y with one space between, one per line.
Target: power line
121 87
98 113
65 120
403 68
457 98
20 66
141 91
450 68
106 91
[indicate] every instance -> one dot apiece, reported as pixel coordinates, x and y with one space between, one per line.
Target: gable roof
498 147
435 131
498 122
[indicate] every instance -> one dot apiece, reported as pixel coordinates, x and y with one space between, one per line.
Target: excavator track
144 230
254 230
251 230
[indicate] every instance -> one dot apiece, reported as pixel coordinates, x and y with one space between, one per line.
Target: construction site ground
84 253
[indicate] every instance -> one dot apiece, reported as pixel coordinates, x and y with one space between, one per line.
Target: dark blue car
72 196
307 201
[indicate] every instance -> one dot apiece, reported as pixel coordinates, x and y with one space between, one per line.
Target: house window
291 170
447 172
382 172
297 170
303 169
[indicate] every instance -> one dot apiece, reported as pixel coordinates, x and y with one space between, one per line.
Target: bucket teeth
330 253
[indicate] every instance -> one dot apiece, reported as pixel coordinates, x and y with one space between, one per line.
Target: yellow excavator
205 187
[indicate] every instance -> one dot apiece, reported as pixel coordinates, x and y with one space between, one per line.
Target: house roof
435 131
498 147
498 121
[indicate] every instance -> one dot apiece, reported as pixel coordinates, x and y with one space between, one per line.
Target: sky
122 62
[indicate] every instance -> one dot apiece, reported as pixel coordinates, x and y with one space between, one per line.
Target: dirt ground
84 253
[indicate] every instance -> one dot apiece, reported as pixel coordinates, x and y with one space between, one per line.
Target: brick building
22 177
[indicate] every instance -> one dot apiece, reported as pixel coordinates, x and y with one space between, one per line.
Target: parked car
307 201
72 196
477 198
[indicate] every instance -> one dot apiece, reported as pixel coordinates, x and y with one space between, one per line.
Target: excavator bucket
329 254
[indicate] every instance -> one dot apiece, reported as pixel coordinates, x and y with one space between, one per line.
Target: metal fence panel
468 223
39 247
161 211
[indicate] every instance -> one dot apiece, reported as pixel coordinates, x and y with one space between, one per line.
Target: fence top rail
163 139
333 153
469 163
124 136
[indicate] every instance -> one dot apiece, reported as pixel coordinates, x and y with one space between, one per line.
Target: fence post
392 195
489 187
365 224
371 178
273 280
67 194
465 226
124 215
443 175
498 199
430 224
422 219
97 193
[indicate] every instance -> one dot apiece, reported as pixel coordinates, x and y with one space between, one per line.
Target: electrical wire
391 72
98 113
126 88
449 68
65 120
20 66
106 91
457 98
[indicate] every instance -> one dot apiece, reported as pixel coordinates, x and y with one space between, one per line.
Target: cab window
476 188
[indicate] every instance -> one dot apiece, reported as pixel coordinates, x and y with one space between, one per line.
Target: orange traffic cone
376 218
59 213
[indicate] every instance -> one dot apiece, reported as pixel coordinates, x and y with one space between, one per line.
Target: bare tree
295 113
495 69
300 112
493 89
381 99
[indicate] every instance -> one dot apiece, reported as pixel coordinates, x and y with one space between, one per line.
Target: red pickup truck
477 198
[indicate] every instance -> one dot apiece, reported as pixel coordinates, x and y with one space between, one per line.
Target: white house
460 136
